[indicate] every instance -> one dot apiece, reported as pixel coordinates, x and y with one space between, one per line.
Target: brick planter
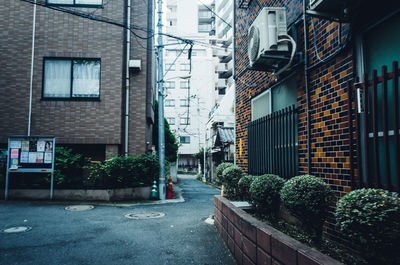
254 242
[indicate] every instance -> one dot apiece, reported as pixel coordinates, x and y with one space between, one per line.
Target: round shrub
371 219
307 197
244 187
231 176
264 193
218 172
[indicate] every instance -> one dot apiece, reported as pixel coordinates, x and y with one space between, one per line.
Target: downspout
306 83
127 83
32 61
234 82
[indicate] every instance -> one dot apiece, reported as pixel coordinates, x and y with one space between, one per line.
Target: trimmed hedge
231 176
218 172
264 192
308 197
371 219
121 172
244 187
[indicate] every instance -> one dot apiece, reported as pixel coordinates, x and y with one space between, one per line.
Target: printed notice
40 146
39 157
14 162
32 157
14 153
24 157
15 144
25 146
47 157
32 146
49 146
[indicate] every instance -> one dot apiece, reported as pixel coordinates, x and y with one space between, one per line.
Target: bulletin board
33 154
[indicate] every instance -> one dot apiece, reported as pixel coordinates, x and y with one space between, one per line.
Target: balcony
205 16
220 53
221 83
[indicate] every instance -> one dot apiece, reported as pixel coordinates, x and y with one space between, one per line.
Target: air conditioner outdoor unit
268 39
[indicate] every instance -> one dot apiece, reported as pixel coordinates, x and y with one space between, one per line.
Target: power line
215 14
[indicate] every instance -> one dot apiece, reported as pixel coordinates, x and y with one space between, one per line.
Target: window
170 102
76 2
204 14
185 67
169 67
171 121
184 139
184 84
71 79
221 91
204 27
184 103
169 84
185 121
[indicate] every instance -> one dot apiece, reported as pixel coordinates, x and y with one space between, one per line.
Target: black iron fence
272 144
378 141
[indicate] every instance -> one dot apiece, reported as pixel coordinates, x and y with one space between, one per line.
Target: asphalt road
104 235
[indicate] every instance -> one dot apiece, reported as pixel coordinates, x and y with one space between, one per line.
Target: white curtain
61 2
86 81
57 78
88 2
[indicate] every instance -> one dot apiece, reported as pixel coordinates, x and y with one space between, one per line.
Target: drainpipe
32 61
127 83
307 87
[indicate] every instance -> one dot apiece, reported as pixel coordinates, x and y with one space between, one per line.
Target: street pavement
104 235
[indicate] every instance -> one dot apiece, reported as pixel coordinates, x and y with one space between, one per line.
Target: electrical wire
212 11
341 45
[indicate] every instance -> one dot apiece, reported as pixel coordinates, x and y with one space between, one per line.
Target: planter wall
139 193
254 242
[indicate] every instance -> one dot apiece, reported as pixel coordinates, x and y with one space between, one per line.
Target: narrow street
104 235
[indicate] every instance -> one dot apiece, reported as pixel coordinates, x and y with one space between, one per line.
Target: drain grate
17 229
79 208
149 215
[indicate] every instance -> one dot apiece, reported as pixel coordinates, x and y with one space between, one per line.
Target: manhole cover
17 229
144 215
79 208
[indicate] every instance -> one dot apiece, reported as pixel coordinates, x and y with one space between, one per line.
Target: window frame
186 121
186 137
70 98
169 100
187 103
76 5
186 82
171 120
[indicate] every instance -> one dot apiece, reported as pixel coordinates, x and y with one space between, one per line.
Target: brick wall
253 242
64 35
330 141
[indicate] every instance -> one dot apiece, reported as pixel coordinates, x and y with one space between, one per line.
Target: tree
171 143
200 156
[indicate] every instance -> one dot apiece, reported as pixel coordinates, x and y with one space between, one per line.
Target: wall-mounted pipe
306 84
127 83
32 61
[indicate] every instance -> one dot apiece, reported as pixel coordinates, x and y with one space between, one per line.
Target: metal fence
378 142
272 144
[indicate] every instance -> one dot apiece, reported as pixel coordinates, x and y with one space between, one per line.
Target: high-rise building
189 83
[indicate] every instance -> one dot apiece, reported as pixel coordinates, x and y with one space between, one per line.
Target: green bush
68 167
123 171
244 187
308 197
218 172
371 219
231 176
264 193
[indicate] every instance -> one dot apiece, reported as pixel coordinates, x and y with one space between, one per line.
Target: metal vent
254 43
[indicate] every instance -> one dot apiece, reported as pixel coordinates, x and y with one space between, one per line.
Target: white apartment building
220 126
189 84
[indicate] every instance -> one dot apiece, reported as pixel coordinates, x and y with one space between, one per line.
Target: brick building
79 74
316 117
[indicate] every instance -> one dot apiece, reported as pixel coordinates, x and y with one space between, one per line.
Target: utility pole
161 132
